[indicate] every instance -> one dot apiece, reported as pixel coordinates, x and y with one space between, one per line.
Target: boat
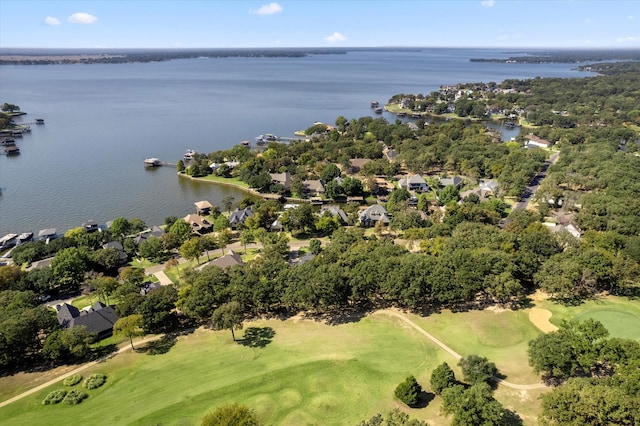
378 110
189 154
402 114
151 162
374 104
8 142
25 237
39 120
11 150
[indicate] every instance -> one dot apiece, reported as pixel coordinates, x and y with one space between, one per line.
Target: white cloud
268 9
50 20
631 17
488 3
82 18
630 38
335 37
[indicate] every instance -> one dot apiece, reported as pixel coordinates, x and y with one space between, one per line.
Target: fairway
307 373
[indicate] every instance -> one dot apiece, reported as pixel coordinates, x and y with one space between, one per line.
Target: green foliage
442 377
393 418
408 391
94 381
129 326
477 369
74 396
72 380
54 397
473 406
231 415
228 316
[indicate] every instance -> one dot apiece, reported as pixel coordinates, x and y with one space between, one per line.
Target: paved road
534 185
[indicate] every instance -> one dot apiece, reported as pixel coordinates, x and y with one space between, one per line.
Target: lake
103 120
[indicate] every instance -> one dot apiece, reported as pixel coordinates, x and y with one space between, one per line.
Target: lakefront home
199 225
238 216
203 207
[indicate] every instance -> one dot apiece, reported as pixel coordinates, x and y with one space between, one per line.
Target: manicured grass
225 181
310 373
620 315
501 336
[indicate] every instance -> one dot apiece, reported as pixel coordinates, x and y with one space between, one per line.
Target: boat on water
378 110
8 142
39 120
151 162
11 150
189 154
374 104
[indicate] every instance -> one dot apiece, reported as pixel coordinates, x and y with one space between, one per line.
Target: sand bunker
540 318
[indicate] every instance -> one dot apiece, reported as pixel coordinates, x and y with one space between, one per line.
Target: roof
536 140
197 221
455 181
374 213
357 163
228 260
238 215
314 185
47 232
97 319
282 178
336 211
113 244
202 205
489 185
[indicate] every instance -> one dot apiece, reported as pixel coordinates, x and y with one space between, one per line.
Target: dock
154 162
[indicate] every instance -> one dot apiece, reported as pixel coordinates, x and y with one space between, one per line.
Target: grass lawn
310 373
620 315
225 181
500 335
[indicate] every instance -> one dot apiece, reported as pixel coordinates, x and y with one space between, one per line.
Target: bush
408 391
477 369
231 414
72 380
75 396
54 397
95 381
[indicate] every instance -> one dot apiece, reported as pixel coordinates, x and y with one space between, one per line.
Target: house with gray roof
283 179
374 214
335 211
238 216
98 319
455 181
414 183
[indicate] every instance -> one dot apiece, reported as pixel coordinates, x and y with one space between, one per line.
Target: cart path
83 367
453 353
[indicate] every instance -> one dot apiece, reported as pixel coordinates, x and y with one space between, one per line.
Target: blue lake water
103 120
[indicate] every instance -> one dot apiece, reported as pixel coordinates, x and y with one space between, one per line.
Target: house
374 214
535 142
227 261
283 179
239 216
313 187
98 319
455 181
357 163
199 225
414 183
335 211
203 207
90 226
148 287
118 246
356 199
489 187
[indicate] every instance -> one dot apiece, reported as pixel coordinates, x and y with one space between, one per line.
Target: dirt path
74 371
457 356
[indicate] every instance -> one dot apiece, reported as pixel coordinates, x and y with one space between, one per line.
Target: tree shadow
424 398
257 337
512 419
159 347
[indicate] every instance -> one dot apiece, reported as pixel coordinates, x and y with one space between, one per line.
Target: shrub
95 381
72 380
75 396
477 369
408 391
54 397
231 414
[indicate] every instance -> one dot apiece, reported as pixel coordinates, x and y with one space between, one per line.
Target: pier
154 162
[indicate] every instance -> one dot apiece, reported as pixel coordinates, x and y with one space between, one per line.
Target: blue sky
320 23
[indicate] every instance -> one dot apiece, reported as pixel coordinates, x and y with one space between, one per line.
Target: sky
320 23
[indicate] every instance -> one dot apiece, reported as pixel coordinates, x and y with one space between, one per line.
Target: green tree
69 266
181 230
191 249
393 418
477 369
473 406
228 316
151 248
408 391
227 202
130 326
231 415
120 228
105 286
247 237
442 377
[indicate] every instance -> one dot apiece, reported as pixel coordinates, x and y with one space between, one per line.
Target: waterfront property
98 319
199 225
